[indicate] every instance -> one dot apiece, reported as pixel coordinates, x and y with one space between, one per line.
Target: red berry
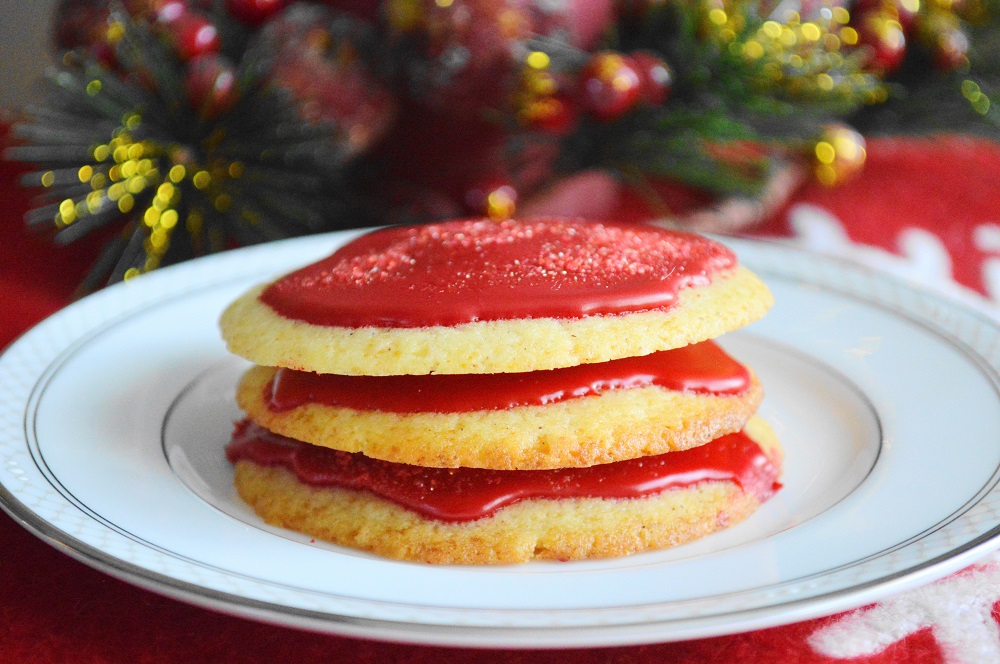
254 12
609 85
210 83
656 79
193 35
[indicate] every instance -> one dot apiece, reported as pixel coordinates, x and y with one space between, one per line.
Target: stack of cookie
485 393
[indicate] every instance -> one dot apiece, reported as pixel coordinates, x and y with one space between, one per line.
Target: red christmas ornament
193 35
951 49
254 12
839 154
656 79
610 86
210 83
883 36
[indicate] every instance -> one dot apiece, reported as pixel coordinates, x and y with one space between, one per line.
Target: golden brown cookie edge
613 426
254 331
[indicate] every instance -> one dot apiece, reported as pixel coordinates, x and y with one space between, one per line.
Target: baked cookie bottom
613 426
256 332
568 529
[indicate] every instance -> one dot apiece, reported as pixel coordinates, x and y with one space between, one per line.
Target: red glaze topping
466 494
477 270
702 368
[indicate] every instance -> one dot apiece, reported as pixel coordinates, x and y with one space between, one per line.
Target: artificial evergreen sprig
185 158
740 78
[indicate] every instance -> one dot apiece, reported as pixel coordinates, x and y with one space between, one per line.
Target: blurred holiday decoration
182 127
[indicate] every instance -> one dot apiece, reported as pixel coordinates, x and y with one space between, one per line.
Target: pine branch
129 147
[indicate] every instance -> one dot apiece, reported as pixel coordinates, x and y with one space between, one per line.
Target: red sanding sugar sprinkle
509 252
543 267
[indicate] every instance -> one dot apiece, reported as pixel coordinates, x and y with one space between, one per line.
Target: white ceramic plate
115 411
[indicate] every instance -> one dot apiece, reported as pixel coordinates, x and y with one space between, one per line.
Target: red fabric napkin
925 206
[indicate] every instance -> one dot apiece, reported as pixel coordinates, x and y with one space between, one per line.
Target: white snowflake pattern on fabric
986 237
957 610
923 258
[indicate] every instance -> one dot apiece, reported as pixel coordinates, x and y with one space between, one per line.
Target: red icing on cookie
466 494
701 368
479 270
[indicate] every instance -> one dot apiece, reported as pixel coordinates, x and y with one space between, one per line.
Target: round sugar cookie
533 528
602 427
473 296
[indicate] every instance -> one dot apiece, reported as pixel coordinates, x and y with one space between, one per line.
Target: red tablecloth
927 209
